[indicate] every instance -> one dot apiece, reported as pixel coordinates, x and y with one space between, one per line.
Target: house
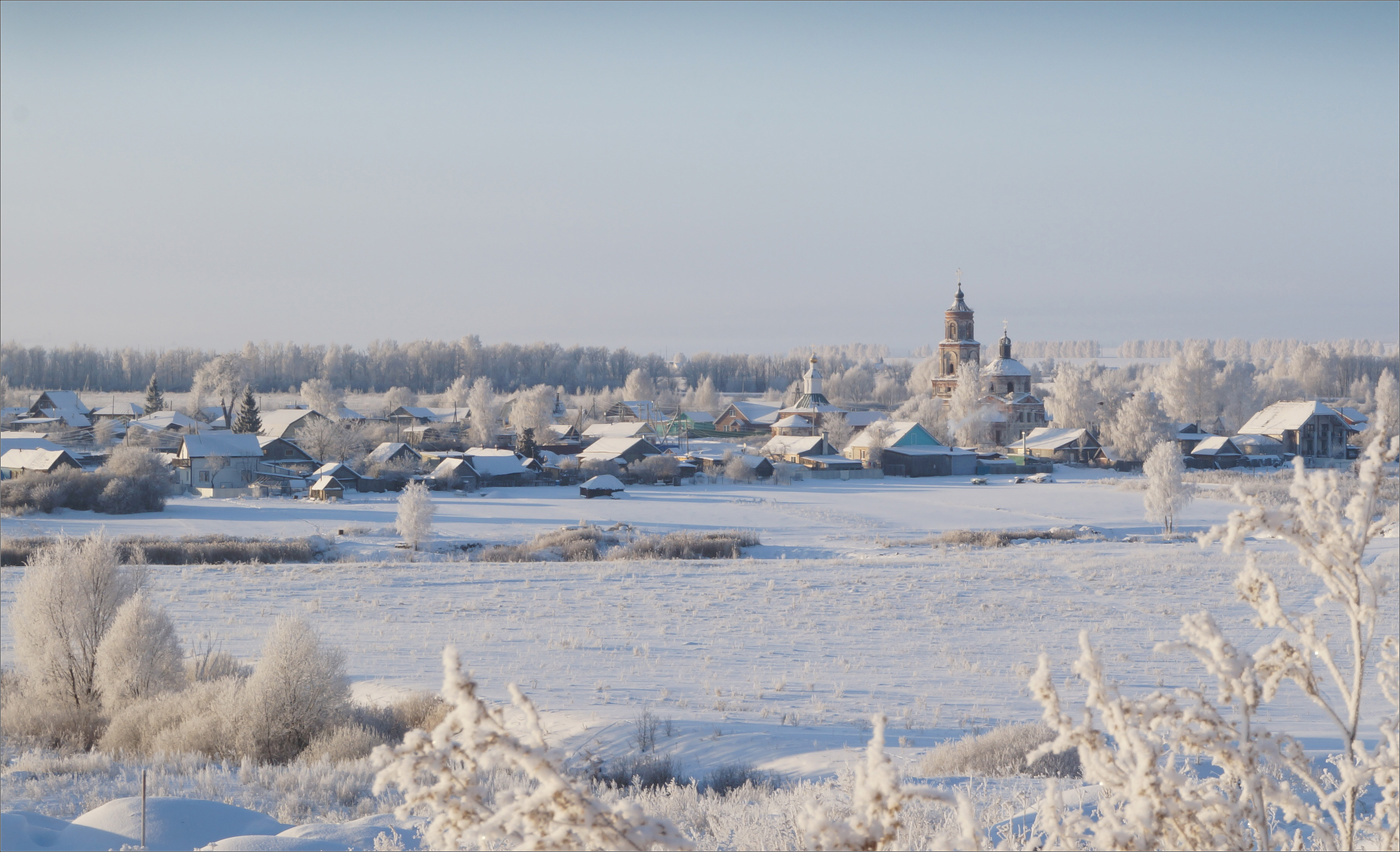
17 440
22 462
793 424
747 417
1307 428
1063 445
605 485
627 429
342 473
280 451
631 411
454 473
923 460
326 489
716 461
624 451
1188 435
218 464
1216 451
121 411
288 422
814 452
499 467
394 454
60 405
889 433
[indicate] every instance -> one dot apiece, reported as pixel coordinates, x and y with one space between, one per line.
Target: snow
170 824
604 482
227 444
1282 416
849 606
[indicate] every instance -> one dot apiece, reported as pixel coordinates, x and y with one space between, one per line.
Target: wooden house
750 417
218 464
623 451
28 461
394 454
1307 428
326 489
288 422
342 473
455 473
1077 446
64 406
1216 452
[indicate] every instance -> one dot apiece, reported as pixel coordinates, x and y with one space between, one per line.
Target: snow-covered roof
327 481
1046 438
603 482
930 450
15 440
336 469
62 404
861 419
493 462
34 459
450 467
609 448
1216 445
279 421
449 414
1285 416
119 409
1004 367
343 413
757 412
1259 443
1355 419
793 421
386 451
160 421
787 445
232 445
618 430
699 416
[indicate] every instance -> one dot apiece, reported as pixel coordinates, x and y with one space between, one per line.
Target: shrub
1001 538
140 654
736 776
190 550
1001 752
297 690
727 544
342 743
641 771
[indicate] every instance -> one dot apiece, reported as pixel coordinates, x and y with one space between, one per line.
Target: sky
711 177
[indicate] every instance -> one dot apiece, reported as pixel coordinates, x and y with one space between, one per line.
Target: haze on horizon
705 177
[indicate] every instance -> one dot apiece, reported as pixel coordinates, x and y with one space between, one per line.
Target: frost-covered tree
456 394
322 396
1239 394
838 431
1166 493
449 775
702 397
415 516
965 412
1188 386
533 409
890 390
930 412
297 689
485 407
638 386
248 421
1141 751
396 397
103 432
921 378
155 400
220 378
140 654
64 605
1138 427
1074 401
1385 414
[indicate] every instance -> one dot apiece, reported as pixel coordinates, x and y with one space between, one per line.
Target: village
237 450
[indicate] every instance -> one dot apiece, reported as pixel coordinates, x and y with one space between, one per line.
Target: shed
454 473
1215 452
341 472
605 485
327 488
925 460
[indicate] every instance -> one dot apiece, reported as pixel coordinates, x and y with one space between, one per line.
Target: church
1008 405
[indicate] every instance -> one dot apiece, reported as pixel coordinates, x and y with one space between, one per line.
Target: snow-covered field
777 660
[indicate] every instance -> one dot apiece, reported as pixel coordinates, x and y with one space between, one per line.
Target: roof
325 482
1005 367
614 447
16 440
929 450
861 419
699 416
162 420
336 469
756 412
279 420
1285 416
1216 445
388 450
491 462
618 430
34 459
603 482
642 409
120 409
788 445
1259 442
1046 438
232 445
451 467
793 421
896 431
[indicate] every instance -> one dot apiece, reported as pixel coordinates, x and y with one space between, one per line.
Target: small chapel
1008 405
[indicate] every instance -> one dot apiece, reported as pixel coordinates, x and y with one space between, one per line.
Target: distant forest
429 366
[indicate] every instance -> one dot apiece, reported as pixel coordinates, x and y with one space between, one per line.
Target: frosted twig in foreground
444 774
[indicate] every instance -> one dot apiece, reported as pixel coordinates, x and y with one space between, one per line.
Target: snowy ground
776 660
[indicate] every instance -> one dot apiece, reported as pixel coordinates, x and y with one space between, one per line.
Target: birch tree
485 407
415 517
1138 426
1166 493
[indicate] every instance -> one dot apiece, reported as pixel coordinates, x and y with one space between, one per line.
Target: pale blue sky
696 177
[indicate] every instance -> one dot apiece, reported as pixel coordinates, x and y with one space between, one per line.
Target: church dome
1005 368
959 306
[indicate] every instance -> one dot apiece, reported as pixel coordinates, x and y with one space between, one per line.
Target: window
204 476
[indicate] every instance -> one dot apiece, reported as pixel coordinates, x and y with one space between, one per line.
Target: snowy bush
345 742
297 689
139 655
199 719
445 773
1141 750
1001 752
653 469
683 544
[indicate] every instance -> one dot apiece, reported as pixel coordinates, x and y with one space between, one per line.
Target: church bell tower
958 345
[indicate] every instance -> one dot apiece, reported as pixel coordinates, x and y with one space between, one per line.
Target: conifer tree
525 445
248 420
155 400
